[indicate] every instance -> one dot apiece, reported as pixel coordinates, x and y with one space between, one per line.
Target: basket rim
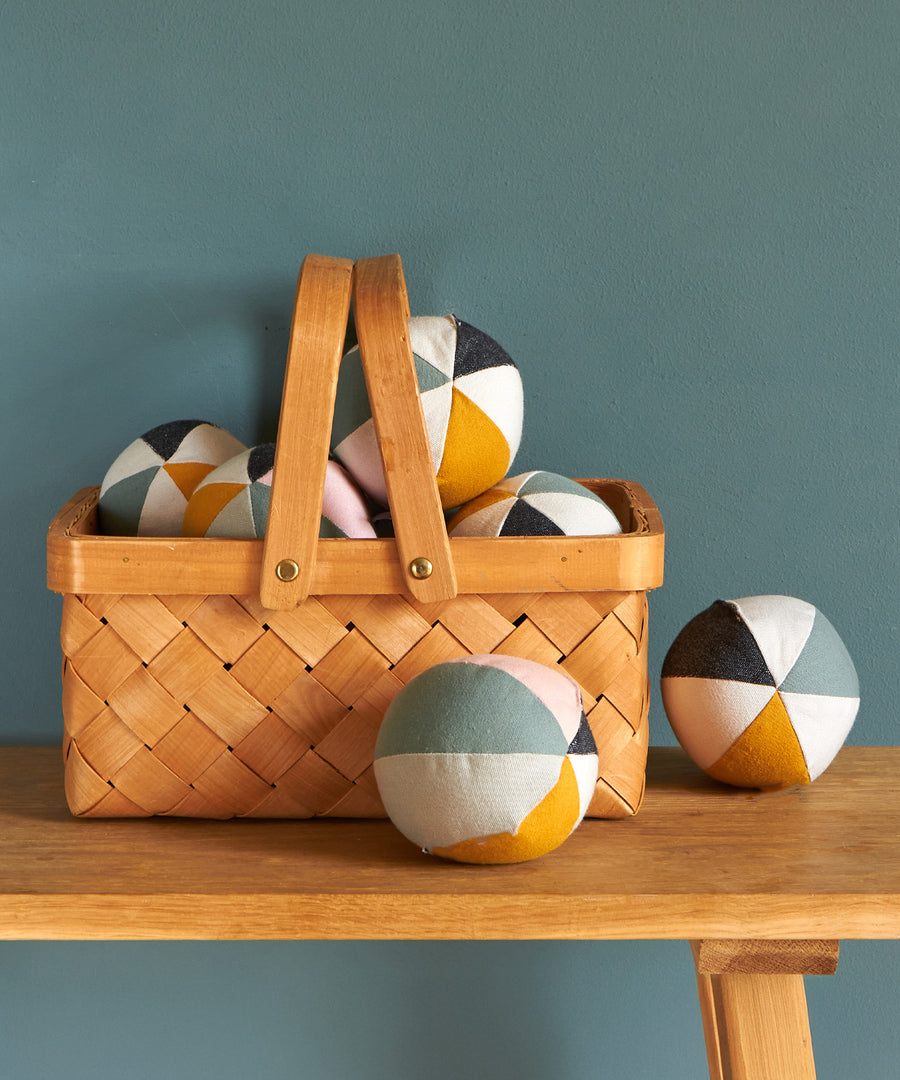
82 562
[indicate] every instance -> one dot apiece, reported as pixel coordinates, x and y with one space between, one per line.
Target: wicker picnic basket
247 678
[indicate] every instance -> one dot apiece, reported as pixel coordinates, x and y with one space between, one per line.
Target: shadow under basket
199 683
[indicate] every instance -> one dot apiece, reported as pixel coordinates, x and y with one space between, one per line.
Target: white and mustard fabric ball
535 504
471 393
233 501
146 489
761 692
488 759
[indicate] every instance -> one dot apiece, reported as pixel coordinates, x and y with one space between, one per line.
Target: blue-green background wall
680 217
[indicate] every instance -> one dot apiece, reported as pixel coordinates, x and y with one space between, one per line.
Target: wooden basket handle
381 310
321 308
316 344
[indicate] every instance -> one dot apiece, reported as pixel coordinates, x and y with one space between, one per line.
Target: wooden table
763 886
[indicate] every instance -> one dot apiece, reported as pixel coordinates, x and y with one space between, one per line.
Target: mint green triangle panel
824 666
428 376
544 482
259 506
235 519
120 508
468 709
351 407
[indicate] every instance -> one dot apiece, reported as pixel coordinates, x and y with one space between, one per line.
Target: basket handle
319 324
381 311
321 308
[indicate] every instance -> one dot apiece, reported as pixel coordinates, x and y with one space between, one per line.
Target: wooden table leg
753 1005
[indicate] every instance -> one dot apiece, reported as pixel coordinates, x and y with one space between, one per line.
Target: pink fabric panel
343 504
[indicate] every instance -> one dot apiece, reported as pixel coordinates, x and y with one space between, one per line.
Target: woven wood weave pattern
215 707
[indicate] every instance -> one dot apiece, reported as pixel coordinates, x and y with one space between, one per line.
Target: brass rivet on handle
421 568
287 570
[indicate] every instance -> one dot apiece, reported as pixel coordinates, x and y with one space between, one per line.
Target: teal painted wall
681 220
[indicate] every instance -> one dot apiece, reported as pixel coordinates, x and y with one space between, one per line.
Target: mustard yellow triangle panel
476 454
205 506
768 754
188 474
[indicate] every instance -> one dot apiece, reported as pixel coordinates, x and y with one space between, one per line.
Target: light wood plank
707 1002
762 1028
754 957
700 861
753 1005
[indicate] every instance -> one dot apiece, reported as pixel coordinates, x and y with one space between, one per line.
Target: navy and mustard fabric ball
146 489
535 504
472 398
761 692
233 500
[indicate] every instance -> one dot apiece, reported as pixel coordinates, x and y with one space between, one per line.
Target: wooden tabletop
699 861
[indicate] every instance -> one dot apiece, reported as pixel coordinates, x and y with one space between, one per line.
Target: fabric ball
535 504
146 489
471 393
233 501
761 692
488 759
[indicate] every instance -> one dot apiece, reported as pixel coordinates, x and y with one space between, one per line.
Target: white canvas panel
436 405
585 767
360 455
164 507
497 391
209 444
711 713
574 515
822 724
440 799
134 459
485 522
433 337
781 626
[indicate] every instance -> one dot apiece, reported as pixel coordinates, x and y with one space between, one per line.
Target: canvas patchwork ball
146 489
761 692
233 501
489 759
472 398
535 504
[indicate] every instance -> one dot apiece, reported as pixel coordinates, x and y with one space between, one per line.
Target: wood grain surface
700 861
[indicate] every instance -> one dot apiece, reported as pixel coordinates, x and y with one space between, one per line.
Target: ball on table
761 692
489 759
146 489
233 501
535 504
471 393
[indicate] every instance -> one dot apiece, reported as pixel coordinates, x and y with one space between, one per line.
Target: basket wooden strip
193 687
204 729
81 561
321 307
